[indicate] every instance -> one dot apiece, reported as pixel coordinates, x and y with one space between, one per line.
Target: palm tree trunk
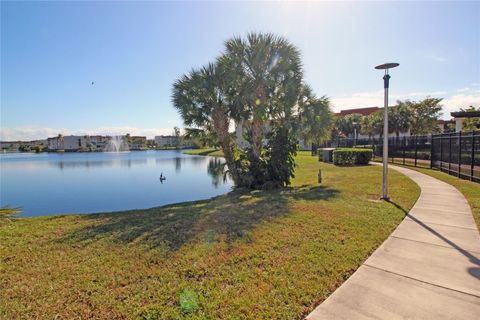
221 124
257 123
257 130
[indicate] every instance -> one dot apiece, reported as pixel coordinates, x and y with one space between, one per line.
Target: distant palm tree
204 137
399 119
347 124
87 140
372 124
60 141
315 118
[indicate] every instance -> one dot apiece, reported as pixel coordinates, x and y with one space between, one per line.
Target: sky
51 52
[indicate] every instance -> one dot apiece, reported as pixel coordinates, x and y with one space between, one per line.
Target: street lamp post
386 78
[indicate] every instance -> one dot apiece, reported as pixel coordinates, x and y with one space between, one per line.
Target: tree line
418 117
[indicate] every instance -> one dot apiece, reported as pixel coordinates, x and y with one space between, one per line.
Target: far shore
88 151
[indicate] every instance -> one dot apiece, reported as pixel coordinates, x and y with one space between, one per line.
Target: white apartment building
67 143
166 141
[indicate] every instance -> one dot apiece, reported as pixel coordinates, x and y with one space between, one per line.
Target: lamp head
389 65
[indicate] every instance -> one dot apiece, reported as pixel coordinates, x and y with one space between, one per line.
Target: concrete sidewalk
428 268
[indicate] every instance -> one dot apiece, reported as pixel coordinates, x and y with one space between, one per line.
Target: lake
55 183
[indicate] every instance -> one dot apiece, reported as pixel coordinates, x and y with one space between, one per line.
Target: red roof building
362 111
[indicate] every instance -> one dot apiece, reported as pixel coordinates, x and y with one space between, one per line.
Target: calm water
50 183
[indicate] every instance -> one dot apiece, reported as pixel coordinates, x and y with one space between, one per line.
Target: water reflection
93 182
216 170
178 164
95 164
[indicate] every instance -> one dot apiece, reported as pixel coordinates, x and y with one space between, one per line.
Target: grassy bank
243 255
205 152
8 211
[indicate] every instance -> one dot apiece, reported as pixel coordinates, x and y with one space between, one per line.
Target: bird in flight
93 83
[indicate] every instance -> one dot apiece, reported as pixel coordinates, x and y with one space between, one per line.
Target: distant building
16 145
444 125
167 141
72 143
97 142
362 111
10 145
138 142
151 143
67 143
459 116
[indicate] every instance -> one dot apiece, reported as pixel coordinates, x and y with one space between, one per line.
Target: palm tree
373 124
203 137
315 118
60 141
347 124
368 127
87 140
201 99
399 119
266 77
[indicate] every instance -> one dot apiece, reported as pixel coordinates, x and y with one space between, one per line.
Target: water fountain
117 144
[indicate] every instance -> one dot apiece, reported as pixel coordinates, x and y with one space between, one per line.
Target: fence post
449 153
404 146
472 156
459 153
391 146
441 152
416 148
431 151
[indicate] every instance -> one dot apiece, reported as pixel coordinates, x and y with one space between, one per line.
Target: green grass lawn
205 152
243 255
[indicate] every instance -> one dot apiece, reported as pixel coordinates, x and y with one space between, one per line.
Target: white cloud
451 102
36 132
435 57
455 102
375 98
421 94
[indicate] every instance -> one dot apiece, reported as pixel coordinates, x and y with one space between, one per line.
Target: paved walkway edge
428 268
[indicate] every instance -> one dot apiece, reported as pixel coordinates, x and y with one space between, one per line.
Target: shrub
352 156
189 301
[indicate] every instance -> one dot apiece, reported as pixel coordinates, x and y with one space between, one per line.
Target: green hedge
351 156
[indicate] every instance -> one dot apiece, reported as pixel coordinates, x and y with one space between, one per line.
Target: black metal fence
454 153
457 154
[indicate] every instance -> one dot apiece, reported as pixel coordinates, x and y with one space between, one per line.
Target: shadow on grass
231 216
